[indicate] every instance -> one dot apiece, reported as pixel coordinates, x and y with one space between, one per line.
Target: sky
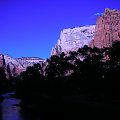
30 28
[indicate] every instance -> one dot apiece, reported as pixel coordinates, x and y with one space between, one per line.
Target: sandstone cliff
17 65
107 29
72 39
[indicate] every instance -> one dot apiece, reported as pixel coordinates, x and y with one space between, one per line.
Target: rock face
13 66
72 39
107 29
2 60
29 61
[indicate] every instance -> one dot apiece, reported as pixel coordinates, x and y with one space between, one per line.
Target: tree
2 78
9 71
114 52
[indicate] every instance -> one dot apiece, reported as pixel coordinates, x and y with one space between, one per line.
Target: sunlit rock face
14 65
72 39
18 65
29 61
107 29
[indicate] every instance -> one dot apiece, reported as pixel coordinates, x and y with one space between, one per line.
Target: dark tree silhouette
87 77
9 71
2 80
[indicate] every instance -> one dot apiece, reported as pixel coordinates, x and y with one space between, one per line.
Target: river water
8 110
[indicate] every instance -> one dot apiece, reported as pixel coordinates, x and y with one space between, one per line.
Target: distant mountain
17 65
29 61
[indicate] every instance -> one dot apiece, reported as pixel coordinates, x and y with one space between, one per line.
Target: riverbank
1 98
60 108
67 107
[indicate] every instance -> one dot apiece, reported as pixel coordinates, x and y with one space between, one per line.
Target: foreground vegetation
87 80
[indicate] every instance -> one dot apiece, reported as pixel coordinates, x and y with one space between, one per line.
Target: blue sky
32 27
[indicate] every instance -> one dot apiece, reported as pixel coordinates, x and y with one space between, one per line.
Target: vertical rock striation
107 29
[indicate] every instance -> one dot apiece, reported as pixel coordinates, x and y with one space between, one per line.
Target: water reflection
8 110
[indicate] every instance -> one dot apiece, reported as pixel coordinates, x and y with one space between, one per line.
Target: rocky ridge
17 65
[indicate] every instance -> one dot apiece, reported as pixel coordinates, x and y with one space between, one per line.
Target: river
8 109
